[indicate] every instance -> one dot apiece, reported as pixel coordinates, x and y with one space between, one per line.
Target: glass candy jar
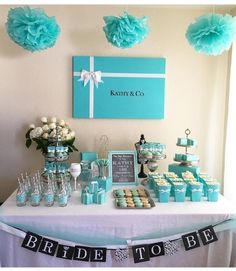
21 195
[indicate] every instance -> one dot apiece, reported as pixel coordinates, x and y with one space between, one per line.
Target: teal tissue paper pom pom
125 31
211 34
32 29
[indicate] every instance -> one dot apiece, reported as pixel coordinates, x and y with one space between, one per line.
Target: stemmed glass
75 170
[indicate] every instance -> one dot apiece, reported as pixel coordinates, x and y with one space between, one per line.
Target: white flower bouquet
49 130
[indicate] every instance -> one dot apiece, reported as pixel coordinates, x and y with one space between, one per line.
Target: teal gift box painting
118 87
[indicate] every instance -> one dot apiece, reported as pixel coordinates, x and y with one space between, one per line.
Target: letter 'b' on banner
190 241
31 241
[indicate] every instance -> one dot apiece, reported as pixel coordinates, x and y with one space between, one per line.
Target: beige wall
38 84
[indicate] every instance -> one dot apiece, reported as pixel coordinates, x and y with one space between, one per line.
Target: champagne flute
75 170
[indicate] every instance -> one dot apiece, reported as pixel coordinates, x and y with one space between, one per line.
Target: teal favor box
164 193
188 188
99 197
178 169
196 192
118 88
213 191
179 192
171 180
203 181
151 180
93 187
88 156
87 198
105 184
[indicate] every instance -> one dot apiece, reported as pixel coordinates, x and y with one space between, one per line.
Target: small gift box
86 198
99 197
192 142
164 192
182 141
196 191
213 189
105 184
93 187
179 191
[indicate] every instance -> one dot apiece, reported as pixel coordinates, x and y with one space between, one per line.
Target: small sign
156 249
207 235
190 241
123 167
141 253
65 252
82 253
32 241
48 246
98 254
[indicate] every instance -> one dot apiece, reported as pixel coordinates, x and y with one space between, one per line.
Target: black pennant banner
141 253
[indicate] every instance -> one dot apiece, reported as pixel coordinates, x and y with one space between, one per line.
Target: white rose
45 128
37 132
64 131
62 123
32 126
72 133
52 134
52 125
45 135
68 137
44 120
54 119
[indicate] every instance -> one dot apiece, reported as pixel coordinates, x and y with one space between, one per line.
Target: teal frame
134 153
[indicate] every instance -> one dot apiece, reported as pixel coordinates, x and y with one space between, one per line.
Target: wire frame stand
182 162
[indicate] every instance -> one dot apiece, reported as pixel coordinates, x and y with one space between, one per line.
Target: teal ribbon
87 238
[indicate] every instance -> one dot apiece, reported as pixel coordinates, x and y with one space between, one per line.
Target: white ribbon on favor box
164 190
196 190
180 190
212 190
95 77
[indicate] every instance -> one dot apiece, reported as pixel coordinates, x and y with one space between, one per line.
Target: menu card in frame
123 167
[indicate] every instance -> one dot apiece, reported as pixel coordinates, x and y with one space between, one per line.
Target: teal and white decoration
118 87
212 34
125 31
32 28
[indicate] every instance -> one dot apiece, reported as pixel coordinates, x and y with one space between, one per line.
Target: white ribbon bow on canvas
86 76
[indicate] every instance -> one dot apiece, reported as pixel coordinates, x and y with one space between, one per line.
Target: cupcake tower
186 159
151 153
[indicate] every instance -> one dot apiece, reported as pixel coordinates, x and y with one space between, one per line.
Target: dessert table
105 225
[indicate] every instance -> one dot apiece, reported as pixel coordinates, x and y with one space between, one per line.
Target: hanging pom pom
211 34
32 29
125 31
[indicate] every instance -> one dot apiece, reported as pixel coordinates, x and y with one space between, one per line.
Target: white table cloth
82 224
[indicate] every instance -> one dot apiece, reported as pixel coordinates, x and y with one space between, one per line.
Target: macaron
131 205
147 205
123 204
138 204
